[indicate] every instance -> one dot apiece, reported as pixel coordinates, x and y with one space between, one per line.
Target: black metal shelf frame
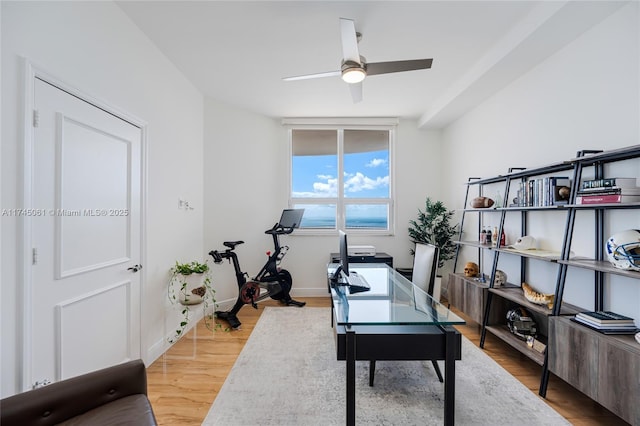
597 160
586 158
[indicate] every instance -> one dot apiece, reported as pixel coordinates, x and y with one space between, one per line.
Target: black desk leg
450 376
351 376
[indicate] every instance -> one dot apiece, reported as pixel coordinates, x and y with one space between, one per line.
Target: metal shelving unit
511 292
598 264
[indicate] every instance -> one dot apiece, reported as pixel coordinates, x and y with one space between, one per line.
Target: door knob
135 268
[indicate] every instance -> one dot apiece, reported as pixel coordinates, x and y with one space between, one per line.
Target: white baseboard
155 351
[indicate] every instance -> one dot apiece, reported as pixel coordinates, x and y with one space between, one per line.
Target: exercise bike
275 282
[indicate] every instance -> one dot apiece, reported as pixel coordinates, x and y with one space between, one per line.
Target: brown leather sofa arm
98 391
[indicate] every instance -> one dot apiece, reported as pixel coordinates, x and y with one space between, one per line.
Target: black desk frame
398 343
379 257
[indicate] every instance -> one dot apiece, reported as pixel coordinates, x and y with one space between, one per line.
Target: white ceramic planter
187 296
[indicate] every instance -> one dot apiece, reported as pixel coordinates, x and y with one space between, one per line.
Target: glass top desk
394 320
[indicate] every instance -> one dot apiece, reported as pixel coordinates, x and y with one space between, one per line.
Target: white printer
359 251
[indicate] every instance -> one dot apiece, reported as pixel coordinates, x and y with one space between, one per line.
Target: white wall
585 96
95 48
245 167
246 173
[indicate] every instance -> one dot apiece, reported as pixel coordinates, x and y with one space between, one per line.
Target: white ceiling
238 51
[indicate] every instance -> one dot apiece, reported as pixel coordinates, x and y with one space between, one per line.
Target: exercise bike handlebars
280 230
217 258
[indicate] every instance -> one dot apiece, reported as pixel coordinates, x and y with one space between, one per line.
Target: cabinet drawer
573 355
619 378
471 296
604 367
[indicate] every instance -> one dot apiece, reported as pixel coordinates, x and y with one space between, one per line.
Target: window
342 178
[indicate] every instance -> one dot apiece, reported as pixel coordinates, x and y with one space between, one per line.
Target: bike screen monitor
291 218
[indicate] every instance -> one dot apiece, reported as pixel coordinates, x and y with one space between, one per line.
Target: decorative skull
500 279
471 270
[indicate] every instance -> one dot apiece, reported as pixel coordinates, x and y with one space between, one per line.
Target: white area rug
287 374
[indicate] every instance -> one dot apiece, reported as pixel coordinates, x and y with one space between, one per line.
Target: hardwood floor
184 382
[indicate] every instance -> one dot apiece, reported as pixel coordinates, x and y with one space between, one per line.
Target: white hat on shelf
525 242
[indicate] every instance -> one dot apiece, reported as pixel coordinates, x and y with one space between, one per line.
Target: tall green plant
433 226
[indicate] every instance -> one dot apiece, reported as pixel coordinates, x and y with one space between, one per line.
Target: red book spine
600 199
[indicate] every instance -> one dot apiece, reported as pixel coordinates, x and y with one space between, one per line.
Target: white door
85 298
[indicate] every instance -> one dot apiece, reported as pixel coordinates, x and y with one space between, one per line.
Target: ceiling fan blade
356 92
309 76
349 40
398 66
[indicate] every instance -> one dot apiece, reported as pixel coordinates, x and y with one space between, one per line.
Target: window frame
340 125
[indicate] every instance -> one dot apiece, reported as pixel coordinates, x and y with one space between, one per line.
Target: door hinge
36 118
34 256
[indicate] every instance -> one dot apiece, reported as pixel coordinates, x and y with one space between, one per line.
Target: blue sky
366 175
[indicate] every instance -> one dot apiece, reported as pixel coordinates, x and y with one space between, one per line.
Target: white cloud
360 182
376 162
328 188
328 185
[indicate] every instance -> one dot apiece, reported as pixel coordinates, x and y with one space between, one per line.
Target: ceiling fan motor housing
353 72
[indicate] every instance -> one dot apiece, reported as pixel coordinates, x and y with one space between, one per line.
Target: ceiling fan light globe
353 75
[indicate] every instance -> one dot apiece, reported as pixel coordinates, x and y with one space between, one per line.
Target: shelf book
607 329
607 198
605 317
610 190
606 322
610 182
542 192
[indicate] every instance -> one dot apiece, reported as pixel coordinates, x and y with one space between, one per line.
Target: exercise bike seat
232 244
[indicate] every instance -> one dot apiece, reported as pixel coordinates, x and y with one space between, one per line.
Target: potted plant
190 284
433 226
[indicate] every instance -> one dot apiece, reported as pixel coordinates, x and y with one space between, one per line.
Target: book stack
609 190
607 322
547 191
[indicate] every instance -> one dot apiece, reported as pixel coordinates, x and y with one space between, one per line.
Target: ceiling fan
355 68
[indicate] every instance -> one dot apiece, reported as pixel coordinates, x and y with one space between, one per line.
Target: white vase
193 281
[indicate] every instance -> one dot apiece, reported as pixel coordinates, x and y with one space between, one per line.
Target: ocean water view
358 222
